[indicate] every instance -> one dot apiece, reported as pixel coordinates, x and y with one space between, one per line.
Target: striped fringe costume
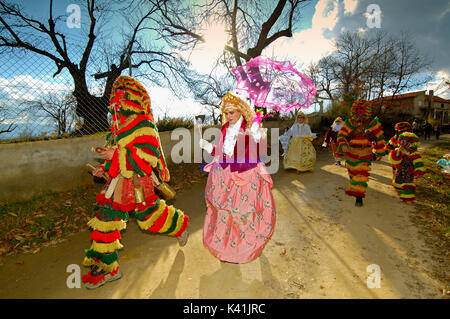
394 142
407 164
363 145
130 188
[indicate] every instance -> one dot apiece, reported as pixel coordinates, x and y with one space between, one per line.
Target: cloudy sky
427 22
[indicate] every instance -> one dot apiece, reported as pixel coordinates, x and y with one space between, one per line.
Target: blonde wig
300 113
233 102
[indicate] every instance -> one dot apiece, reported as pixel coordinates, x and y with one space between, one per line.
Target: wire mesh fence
35 102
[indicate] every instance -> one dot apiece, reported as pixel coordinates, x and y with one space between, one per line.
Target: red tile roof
439 99
404 96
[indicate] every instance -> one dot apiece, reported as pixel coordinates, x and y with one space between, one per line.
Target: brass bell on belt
139 195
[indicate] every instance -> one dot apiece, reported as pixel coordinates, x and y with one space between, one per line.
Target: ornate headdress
234 102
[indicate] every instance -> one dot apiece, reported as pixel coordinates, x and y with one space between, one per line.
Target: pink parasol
275 85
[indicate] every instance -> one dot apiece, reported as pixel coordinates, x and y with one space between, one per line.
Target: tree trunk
92 109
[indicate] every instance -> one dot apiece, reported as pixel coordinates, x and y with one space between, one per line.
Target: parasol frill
275 85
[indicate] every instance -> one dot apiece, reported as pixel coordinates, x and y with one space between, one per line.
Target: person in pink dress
240 216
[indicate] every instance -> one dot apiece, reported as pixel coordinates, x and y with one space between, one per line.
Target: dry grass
27 225
432 208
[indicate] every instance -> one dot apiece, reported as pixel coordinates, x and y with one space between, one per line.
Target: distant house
414 104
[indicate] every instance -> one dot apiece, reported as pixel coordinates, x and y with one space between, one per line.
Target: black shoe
359 201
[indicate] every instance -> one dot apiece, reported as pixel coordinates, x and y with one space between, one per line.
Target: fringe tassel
108 268
152 217
106 247
355 193
184 226
104 258
180 223
106 227
105 237
169 219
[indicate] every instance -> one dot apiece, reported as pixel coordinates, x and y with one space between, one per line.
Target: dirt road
321 248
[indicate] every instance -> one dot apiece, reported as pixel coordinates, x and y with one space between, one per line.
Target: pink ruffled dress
240 215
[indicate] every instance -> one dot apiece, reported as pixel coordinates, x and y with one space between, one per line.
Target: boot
359 201
182 240
97 278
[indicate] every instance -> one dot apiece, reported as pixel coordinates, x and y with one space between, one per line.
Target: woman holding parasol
240 215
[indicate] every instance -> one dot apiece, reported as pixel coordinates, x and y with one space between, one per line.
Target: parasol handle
198 123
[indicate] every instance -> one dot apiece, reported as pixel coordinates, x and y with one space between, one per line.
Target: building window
442 105
420 102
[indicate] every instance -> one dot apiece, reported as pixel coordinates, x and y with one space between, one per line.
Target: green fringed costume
130 189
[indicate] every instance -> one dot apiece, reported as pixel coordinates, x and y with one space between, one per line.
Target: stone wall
33 168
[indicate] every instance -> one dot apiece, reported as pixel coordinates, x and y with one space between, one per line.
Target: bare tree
407 64
9 127
369 65
251 26
19 30
59 108
322 75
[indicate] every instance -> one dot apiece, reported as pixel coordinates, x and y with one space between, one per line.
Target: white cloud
26 87
311 44
350 6
440 84
326 15
165 103
205 54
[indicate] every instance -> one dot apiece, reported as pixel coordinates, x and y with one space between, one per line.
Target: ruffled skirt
300 155
240 216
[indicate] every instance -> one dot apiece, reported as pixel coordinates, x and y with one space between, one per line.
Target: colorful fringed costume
407 164
393 143
363 137
130 189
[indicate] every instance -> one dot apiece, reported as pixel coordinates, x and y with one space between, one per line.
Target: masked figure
361 140
134 163
407 164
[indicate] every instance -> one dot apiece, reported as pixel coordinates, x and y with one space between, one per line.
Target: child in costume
240 215
361 140
133 153
296 143
399 128
408 163
331 139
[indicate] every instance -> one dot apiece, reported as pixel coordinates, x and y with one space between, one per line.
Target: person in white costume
299 153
